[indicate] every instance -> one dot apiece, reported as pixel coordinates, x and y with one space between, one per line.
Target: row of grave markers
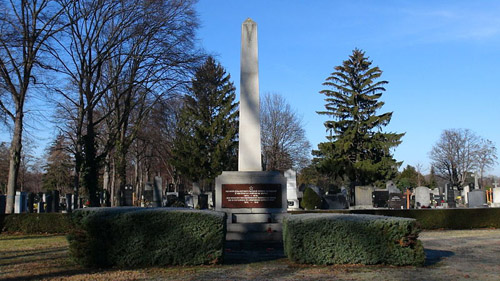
424 197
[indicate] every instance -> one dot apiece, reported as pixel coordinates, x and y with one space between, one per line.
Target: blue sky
441 59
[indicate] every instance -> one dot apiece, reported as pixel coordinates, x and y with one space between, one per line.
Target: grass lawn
452 255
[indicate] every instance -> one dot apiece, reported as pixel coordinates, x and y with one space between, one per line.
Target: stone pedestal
251 196
255 203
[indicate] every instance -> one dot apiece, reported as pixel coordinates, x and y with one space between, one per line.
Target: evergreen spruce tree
205 142
357 150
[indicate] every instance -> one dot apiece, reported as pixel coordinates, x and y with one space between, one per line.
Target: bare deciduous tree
459 152
284 143
26 27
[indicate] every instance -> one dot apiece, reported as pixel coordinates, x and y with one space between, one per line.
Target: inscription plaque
251 196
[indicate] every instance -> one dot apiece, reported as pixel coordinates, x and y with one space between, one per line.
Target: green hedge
428 219
352 239
34 223
127 237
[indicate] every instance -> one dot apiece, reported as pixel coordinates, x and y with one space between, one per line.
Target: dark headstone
157 191
31 202
380 199
335 201
48 202
127 195
2 204
203 201
450 196
75 200
55 201
69 202
396 201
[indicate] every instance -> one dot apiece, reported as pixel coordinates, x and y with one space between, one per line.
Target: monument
250 195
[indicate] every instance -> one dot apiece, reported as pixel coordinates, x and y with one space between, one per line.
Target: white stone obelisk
249 155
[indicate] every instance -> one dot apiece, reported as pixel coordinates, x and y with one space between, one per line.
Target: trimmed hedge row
53 223
469 218
353 239
127 237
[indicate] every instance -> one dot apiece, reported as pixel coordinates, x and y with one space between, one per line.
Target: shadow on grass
24 237
63 273
252 252
13 255
434 256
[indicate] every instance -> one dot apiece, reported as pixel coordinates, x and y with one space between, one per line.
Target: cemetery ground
451 255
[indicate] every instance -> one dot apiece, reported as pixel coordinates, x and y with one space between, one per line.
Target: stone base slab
251 177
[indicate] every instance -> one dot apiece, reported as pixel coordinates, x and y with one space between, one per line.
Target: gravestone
148 192
3 202
450 196
188 201
196 190
69 202
75 200
422 197
291 189
31 202
41 202
397 201
465 191
157 191
380 198
255 201
211 200
477 198
391 187
203 201
20 202
48 202
363 196
335 201
496 197
55 201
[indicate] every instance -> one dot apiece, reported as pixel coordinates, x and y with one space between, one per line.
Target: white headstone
465 195
496 197
196 189
363 196
291 189
249 153
291 184
422 197
477 198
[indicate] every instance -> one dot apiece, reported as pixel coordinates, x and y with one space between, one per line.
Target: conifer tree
205 142
357 150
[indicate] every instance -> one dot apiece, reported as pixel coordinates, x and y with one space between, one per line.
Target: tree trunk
14 160
91 172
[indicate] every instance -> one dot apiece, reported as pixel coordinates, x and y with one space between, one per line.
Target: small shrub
34 223
311 200
352 239
126 237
